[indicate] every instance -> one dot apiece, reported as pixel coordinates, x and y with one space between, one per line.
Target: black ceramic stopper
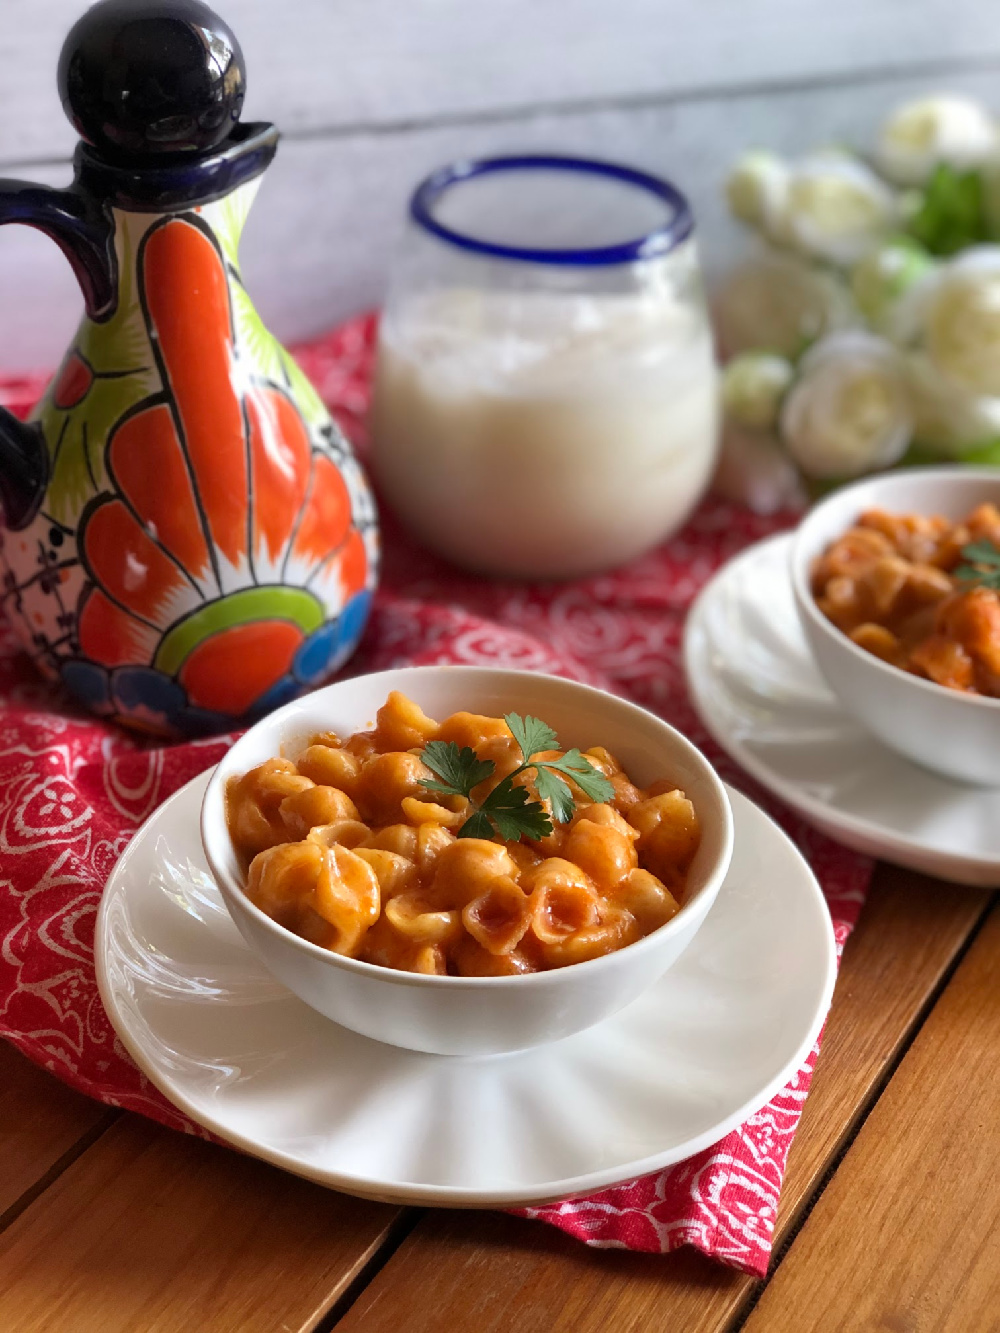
144 79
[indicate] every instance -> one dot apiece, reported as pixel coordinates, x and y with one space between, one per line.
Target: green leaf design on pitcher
270 359
120 361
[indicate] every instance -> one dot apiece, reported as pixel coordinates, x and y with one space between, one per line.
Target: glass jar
545 401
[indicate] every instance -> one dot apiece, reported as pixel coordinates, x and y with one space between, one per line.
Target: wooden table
890 1216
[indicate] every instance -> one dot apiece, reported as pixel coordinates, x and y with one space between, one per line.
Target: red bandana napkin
73 791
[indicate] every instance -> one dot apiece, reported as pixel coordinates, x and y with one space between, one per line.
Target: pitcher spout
24 469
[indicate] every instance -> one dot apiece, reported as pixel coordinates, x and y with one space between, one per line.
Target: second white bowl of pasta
427 874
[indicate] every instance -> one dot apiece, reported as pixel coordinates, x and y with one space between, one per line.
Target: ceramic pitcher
189 539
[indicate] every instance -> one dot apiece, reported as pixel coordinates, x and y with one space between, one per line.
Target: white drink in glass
545 434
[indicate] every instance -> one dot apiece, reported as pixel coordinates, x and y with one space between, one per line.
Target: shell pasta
896 585
349 848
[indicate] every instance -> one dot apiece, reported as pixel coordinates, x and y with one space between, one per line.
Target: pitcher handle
82 228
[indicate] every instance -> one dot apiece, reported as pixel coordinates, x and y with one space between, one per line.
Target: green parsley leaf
509 809
513 812
531 734
982 567
982 553
529 822
553 789
584 774
459 769
476 826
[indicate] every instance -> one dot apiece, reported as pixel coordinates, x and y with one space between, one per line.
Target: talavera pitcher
189 540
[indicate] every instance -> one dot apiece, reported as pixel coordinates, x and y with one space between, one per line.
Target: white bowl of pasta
398 899
882 649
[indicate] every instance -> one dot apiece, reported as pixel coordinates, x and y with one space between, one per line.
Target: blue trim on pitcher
657 242
182 183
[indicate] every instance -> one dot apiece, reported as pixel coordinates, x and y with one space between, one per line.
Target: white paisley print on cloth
73 791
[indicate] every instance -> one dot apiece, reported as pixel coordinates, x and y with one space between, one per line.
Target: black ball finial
143 79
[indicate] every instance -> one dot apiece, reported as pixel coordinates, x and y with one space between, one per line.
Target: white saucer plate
671 1074
759 693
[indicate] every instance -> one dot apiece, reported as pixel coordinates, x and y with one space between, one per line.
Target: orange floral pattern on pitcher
226 560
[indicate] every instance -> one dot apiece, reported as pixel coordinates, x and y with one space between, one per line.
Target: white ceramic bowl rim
713 875
800 557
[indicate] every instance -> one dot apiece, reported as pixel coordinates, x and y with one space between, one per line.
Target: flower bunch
865 329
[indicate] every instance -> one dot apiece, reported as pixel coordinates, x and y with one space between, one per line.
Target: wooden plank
906 1235
473 1270
315 66
330 211
153 1230
911 930
41 1122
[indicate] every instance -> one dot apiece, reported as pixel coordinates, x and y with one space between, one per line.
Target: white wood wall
371 94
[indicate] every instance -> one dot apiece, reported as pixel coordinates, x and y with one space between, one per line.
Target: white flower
923 134
755 471
753 385
849 412
756 187
945 417
882 280
778 303
833 207
959 320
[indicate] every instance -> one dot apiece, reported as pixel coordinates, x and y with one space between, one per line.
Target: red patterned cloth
73 791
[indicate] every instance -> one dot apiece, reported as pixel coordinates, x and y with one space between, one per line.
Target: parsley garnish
983 565
459 770
508 810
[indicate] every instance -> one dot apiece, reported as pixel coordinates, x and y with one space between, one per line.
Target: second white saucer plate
759 693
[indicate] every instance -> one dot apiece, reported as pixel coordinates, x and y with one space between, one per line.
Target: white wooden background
371 94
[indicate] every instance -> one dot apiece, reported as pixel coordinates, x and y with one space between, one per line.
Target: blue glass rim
654 243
